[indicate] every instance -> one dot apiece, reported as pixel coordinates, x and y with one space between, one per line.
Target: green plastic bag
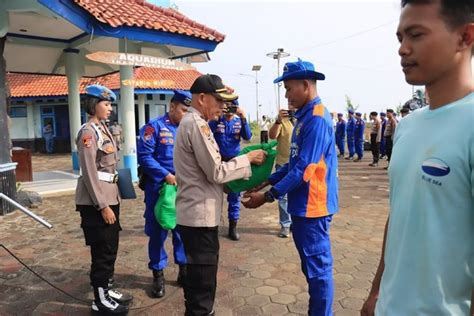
165 208
259 173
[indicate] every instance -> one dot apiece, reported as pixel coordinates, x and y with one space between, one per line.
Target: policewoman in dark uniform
98 199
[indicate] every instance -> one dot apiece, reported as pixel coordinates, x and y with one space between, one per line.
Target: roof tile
36 85
140 13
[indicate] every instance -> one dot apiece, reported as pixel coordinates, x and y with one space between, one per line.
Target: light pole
256 68
280 53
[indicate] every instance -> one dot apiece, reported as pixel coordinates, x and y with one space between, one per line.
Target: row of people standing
381 135
353 130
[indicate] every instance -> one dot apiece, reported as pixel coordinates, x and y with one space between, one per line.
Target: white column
127 115
74 73
141 110
30 119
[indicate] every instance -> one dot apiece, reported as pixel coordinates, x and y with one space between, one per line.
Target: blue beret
100 92
383 114
235 102
340 114
181 96
299 70
358 114
350 111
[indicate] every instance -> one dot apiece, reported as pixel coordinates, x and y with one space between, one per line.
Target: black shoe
374 164
233 234
158 286
349 158
120 297
104 304
181 275
123 298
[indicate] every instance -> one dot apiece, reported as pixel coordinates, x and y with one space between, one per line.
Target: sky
352 42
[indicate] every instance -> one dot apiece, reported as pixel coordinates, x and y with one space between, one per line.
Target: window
47 110
162 97
149 96
18 111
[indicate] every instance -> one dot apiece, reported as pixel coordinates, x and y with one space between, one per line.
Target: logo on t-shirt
435 167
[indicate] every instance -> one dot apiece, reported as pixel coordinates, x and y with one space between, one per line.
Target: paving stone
257 300
261 274
274 282
251 282
274 309
298 308
283 298
290 289
352 303
304 296
248 310
243 291
259 259
266 290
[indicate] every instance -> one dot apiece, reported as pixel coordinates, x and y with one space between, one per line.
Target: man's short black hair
390 111
374 113
455 12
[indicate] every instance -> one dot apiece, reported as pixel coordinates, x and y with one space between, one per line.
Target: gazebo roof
40 31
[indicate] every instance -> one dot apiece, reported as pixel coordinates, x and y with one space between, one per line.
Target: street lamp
256 68
280 53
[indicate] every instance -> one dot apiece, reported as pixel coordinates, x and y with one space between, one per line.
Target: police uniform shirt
228 134
201 173
96 153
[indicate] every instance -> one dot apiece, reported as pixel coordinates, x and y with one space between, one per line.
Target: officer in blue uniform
350 128
310 180
228 131
155 156
359 136
383 119
340 133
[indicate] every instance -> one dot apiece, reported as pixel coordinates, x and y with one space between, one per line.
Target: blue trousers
158 235
285 219
311 237
383 147
350 145
359 147
233 199
49 144
340 145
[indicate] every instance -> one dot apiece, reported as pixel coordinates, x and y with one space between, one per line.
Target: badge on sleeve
87 141
109 149
205 130
148 133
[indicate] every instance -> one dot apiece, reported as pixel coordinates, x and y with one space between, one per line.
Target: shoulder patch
318 110
87 140
148 134
205 130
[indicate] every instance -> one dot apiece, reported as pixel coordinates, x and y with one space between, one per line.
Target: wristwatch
269 198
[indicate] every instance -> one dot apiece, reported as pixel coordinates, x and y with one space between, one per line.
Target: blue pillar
74 74
127 111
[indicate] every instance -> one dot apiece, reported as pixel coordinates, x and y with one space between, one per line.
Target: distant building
40 99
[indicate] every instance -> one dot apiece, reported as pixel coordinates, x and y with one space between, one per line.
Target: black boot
181 275
103 303
158 287
233 234
123 298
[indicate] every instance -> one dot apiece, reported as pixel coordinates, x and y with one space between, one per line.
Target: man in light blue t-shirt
427 264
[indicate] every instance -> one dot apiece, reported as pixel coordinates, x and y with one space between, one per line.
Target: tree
5 145
350 105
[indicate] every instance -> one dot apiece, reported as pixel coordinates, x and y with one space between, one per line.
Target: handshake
255 198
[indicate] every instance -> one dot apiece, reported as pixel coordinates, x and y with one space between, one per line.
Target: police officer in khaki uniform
116 131
98 199
201 173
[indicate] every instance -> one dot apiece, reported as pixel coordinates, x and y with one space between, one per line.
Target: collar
196 111
307 108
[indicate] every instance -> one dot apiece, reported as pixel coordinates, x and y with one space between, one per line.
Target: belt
108 177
